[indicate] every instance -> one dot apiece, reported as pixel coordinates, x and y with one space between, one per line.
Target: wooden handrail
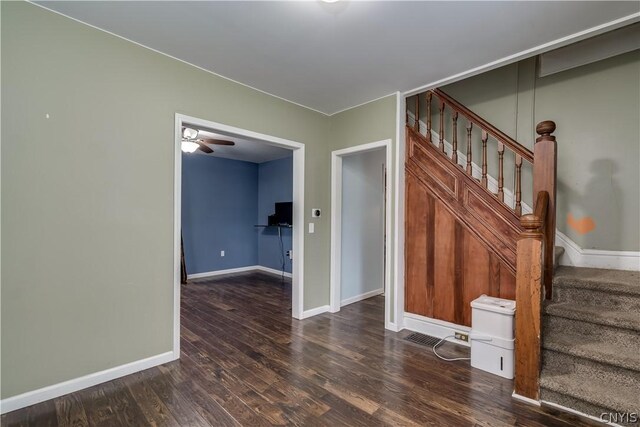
485 125
529 290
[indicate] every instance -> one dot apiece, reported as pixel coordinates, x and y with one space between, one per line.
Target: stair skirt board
574 255
576 404
361 297
237 270
434 327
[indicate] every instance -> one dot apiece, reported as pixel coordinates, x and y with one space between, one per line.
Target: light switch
221 253
312 228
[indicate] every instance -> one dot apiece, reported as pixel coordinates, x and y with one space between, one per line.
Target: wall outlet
315 213
462 336
221 253
290 254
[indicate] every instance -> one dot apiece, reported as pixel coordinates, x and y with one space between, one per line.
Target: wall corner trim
56 390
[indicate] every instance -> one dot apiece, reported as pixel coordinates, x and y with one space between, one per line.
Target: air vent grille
421 339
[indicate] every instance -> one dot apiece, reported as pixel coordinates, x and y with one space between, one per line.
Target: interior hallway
245 361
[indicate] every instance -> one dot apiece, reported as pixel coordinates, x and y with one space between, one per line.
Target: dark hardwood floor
246 362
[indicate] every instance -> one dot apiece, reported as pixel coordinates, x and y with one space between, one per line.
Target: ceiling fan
191 142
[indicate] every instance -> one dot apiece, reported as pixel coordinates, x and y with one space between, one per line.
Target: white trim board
297 286
237 270
574 255
273 271
573 411
221 272
398 218
336 223
361 297
56 390
314 312
435 328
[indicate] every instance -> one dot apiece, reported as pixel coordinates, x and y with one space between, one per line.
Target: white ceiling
330 57
247 150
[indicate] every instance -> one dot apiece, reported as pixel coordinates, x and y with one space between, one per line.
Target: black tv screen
284 213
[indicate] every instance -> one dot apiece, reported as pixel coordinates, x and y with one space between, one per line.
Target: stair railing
535 246
534 264
529 290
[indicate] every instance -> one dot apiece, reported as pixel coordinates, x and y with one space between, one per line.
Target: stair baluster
429 95
518 185
441 142
469 150
501 171
416 122
454 138
485 136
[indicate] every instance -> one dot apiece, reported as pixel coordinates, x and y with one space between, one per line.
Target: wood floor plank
245 362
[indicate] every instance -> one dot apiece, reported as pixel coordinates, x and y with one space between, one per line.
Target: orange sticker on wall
582 225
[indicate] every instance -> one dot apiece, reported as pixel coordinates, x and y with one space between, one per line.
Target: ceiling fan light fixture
189 146
189 133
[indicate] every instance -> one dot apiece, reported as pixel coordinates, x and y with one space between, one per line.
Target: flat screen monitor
284 213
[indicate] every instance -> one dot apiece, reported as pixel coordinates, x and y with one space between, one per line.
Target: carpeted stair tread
597 351
596 392
593 314
603 280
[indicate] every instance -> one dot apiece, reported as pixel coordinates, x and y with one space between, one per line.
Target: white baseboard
525 399
392 327
573 411
434 327
361 297
222 272
314 312
237 270
272 271
56 390
575 256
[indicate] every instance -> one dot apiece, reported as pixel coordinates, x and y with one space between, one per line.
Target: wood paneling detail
460 241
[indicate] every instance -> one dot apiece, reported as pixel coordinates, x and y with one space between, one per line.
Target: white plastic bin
492 335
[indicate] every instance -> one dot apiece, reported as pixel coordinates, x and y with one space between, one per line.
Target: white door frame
336 224
298 211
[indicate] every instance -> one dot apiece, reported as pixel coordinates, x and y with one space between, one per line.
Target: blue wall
275 184
222 200
219 205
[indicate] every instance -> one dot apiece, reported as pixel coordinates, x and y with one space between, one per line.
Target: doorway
297 207
360 224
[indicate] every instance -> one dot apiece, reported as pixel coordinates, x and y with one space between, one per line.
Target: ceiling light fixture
189 146
189 133
330 1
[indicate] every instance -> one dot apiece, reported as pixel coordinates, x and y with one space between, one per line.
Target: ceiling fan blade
217 141
204 148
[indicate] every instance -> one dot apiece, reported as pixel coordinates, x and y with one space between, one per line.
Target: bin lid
497 305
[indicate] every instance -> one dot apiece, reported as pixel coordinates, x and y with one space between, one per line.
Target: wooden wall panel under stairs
448 262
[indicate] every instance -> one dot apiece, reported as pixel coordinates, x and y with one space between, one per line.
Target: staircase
577 329
591 342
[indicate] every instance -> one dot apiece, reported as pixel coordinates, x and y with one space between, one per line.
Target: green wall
87 193
596 108
371 122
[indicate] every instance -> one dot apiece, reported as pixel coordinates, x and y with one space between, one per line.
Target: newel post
528 307
544 179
